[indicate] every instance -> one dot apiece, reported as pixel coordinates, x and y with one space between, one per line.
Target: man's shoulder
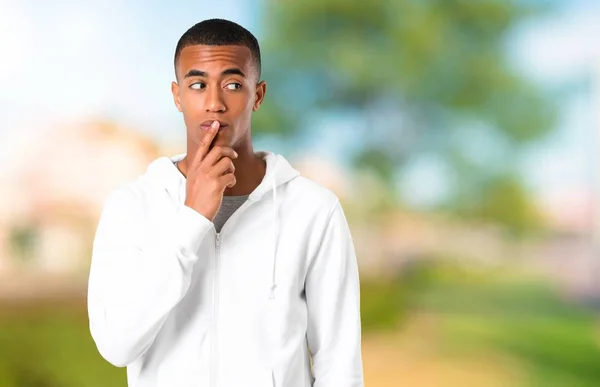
312 193
137 190
152 181
125 193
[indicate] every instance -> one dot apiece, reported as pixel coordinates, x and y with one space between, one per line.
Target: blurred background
461 136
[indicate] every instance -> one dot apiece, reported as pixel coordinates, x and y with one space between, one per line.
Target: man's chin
218 141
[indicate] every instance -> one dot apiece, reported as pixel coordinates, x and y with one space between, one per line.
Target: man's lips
206 124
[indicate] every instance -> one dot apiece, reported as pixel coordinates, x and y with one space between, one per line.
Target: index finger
205 140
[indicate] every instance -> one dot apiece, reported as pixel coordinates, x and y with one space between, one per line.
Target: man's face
217 83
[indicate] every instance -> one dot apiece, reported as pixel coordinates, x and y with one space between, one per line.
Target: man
222 266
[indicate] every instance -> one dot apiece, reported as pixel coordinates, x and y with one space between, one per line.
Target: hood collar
279 171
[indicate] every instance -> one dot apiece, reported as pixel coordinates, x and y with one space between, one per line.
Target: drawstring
273 286
275 237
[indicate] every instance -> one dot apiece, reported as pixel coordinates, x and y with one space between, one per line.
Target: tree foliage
416 71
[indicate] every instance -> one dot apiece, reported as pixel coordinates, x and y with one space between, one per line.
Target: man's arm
333 300
135 279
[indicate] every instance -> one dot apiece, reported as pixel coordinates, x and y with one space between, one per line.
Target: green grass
50 346
554 342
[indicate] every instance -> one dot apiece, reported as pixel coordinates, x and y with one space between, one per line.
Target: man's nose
214 101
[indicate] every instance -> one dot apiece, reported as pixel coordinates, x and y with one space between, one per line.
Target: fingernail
214 124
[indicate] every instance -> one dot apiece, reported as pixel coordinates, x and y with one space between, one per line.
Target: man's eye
197 86
234 86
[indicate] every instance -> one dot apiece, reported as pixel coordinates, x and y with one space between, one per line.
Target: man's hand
209 174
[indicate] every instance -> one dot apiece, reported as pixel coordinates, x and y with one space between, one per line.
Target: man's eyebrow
199 73
195 73
233 71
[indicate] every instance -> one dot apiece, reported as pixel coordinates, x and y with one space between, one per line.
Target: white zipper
215 311
214 364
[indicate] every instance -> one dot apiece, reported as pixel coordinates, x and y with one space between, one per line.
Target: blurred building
54 182
53 185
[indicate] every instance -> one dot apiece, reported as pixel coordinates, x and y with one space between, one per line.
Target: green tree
413 72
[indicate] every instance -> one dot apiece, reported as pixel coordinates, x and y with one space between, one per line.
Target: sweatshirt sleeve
138 274
333 301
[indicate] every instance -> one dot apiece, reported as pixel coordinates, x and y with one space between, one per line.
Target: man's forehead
198 54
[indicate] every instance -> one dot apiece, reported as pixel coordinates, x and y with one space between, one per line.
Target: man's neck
250 169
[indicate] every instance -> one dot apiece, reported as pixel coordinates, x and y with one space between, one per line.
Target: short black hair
219 32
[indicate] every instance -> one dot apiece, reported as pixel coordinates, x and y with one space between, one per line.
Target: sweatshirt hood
163 171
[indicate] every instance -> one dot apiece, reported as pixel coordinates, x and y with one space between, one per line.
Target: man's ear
175 91
261 90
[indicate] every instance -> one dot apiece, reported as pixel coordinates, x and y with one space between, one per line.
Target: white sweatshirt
181 305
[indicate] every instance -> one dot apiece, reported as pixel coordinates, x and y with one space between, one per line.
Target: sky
566 49
69 60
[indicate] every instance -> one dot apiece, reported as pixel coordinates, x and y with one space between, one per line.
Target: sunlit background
461 136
